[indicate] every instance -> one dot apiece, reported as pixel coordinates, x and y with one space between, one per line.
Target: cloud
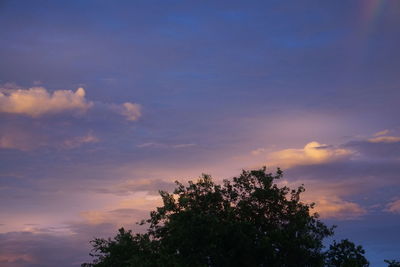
37 101
257 151
106 222
378 148
312 153
330 197
124 212
15 259
334 207
385 139
23 133
161 145
393 207
119 217
18 249
131 186
20 140
30 140
80 140
131 111
383 132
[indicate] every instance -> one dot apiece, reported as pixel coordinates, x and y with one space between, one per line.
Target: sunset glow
103 103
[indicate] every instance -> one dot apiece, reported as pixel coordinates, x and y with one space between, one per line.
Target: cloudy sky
102 103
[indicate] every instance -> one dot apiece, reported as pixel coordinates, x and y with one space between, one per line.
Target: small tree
249 221
346 254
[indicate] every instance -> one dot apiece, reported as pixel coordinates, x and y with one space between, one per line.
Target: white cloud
312 153
393 207
37 101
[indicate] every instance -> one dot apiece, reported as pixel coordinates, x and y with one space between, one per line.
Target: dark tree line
249 221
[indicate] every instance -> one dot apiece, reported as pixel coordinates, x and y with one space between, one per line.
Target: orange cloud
330 198
312 153
36 101
384 139
124 210
335 207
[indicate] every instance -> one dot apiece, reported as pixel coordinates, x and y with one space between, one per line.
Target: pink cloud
393 207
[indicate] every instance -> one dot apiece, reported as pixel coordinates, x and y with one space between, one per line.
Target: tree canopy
247 221
345 254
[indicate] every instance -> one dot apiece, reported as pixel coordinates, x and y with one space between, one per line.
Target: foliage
392 263
249 221
346 254
125 249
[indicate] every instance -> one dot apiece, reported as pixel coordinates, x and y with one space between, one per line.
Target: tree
346 254
392 263
249 221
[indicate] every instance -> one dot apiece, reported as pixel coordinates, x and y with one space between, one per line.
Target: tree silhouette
346 254
248 221
392 263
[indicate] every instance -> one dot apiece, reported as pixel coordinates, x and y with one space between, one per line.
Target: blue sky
102 103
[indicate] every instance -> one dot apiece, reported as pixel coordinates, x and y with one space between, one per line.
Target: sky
103 103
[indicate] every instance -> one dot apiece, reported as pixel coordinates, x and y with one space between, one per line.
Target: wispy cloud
80 140
383 132
385 139
393 207
131 186
118 217
257 151
20 140
161 145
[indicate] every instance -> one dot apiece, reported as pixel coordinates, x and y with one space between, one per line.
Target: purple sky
102 103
